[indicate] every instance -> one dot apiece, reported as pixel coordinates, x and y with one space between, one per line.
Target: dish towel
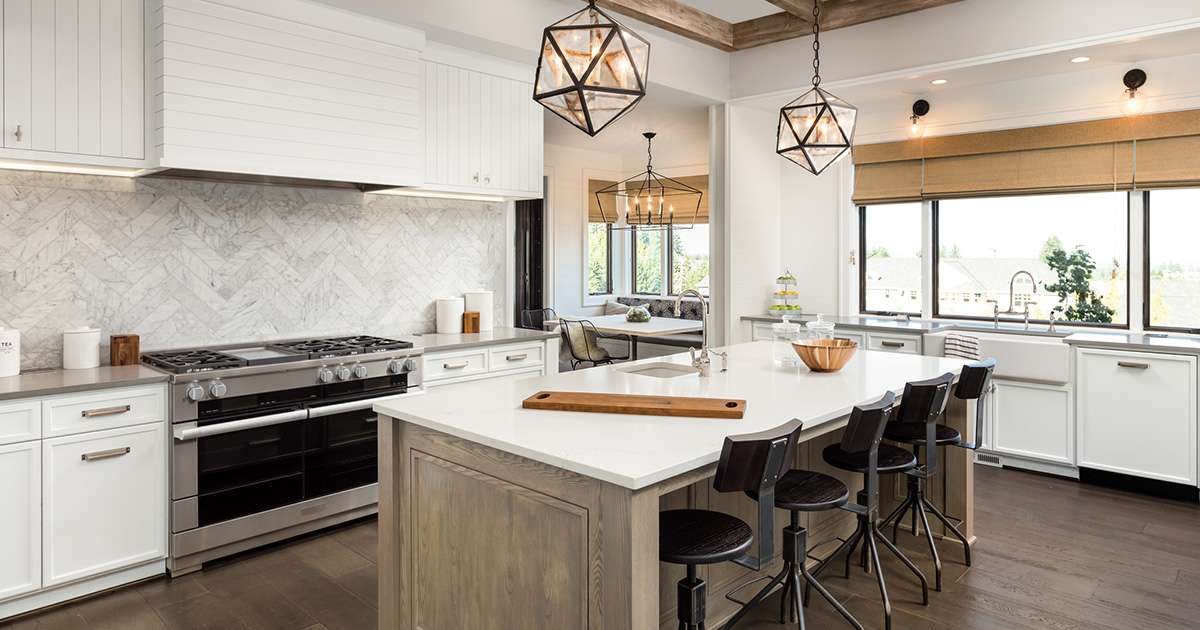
962 346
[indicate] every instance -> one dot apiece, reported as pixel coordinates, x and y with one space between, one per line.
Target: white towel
962 346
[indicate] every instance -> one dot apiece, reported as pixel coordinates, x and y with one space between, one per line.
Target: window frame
608 267
1146 276
937 314
862 269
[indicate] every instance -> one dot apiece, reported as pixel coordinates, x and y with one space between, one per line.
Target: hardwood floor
1051 554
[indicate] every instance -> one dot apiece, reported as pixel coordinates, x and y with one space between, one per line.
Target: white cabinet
20 421
1137 413
287 88
904 344
483 130
73 81
20 518
513 361
1032 421
104 501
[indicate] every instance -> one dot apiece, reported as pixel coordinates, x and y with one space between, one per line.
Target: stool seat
701 536
808 491
914 433
891 459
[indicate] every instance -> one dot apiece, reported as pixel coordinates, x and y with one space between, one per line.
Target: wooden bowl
825 355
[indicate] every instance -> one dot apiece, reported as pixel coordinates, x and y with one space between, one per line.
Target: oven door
342 450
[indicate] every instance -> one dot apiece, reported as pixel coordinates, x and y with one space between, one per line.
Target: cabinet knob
487 180
18 133
475 178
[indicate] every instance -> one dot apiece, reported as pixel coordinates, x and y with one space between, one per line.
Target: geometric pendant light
650 200
591 69
816 129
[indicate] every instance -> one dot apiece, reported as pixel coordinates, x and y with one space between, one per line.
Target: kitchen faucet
701 362
1011 286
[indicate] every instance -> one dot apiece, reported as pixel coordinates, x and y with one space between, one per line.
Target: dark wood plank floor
1051 554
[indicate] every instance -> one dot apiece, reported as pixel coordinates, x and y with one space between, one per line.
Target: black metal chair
861 450
535 319
749 463
916 425
581 339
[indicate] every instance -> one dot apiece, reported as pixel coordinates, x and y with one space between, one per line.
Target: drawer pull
1131 364
110 453
455 366
516 357
106 411
264 442
892 344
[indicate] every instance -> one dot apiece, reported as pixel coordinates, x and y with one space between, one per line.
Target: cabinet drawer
455 364
93 411
893 343
20 421
516 357
104 501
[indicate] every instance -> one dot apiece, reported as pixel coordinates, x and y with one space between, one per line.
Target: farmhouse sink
1027 358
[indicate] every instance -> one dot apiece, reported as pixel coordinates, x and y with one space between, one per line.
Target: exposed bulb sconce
1134 101
920 107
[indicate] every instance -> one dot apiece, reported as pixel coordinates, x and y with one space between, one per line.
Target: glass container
782 335
819 328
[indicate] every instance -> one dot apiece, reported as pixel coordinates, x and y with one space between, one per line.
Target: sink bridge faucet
1012 282
701 361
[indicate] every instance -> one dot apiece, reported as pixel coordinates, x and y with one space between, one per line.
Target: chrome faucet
1011 292
701 362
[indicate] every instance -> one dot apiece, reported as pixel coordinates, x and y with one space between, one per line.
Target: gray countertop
434 342
921 326
1137 341
47 382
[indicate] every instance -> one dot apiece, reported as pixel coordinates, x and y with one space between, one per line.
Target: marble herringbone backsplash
187 263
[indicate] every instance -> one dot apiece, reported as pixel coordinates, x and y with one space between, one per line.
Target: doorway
529 272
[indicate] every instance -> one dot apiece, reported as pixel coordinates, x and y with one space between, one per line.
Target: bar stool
861 451
750 462
916 425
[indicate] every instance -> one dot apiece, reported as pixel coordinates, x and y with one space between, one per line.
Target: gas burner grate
367 343
316 348
185 361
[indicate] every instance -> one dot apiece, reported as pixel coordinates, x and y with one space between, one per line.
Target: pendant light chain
816 45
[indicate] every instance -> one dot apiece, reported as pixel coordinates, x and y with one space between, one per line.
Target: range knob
217 389
342 372
194 392
325 375
401 366
360 371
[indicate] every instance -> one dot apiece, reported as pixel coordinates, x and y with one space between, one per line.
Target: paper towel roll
450 315
10 352
81 348
481 301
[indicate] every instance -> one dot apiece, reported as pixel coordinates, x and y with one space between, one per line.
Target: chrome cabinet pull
1131 364
18 133
106 411
109 454
892 344
455 366
516 357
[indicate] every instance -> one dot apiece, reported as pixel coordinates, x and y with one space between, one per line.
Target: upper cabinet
287 88
483 131
74 82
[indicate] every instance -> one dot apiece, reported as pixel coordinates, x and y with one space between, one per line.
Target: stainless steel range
274 440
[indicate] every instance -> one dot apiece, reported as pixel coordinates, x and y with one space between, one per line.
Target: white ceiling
735 10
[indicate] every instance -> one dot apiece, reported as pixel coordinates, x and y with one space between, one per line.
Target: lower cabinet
103 501
1032 421
1137 413
509 362
20 518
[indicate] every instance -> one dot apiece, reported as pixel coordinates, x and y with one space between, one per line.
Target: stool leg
794 578
883 594
937 561
953 530
896 515
908 563
758 597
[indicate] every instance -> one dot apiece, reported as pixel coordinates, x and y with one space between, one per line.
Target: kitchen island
495 516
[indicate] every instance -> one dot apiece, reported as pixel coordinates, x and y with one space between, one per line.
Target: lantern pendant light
816 129
652 201
591 70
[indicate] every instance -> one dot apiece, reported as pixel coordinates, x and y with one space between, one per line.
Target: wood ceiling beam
834 14
678 18
800 8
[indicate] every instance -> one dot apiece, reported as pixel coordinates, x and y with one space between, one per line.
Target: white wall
810 233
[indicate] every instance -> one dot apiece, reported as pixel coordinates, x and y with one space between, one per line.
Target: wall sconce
920 107
1134 102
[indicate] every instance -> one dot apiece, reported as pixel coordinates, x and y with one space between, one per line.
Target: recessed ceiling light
1080 59
939 81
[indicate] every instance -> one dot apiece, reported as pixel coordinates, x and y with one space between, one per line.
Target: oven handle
184 435
356 405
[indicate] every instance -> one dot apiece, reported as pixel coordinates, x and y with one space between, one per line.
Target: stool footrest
812 548
743 585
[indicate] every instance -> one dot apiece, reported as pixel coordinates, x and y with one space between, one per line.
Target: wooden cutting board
636 404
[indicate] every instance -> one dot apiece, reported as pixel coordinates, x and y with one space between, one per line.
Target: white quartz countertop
638 451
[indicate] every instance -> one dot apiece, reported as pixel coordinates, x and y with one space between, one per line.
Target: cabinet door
104 501
20 518
1137 414
1033 421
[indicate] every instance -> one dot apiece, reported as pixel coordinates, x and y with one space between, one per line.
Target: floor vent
988 460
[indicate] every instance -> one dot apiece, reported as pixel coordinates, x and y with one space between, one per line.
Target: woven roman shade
1114 154
594 213
684 215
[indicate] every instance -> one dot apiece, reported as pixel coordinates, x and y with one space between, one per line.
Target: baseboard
57 595
1140 485
1046 468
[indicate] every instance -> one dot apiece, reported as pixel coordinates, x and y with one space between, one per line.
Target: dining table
656 327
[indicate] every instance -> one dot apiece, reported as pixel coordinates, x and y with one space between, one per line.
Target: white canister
10 352
450 315
481 302
81 348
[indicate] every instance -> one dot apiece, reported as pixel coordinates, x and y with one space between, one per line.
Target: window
689 259
1172 259
686 258
1074 245
890 242
648 261
599 262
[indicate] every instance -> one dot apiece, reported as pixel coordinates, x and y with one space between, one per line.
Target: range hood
270 180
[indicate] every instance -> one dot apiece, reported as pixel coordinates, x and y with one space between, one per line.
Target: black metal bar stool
916 425
861 450
753 462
